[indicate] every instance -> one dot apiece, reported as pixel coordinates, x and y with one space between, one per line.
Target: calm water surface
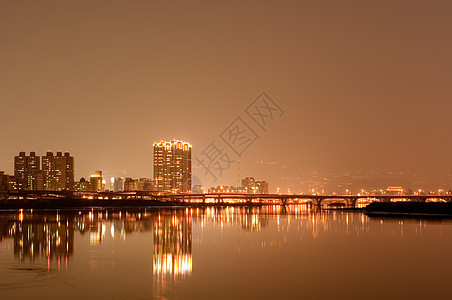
230 253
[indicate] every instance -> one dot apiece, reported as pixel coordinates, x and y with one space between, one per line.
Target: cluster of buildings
96 183
172 174
172 171
249 186
49 172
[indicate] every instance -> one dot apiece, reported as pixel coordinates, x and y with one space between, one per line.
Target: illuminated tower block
172 166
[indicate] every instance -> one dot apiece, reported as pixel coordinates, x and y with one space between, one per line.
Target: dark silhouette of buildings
31 172
141 184
58 171
27 172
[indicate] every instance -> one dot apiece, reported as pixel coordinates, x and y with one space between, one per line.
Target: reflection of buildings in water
117 223
49 237
172 244
96 233
52 235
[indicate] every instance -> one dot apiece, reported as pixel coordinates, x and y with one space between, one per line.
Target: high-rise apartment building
58 171
172 166
117 184
20 169
4 181
27 171
96 182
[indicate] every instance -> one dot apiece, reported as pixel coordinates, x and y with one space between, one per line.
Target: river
222 253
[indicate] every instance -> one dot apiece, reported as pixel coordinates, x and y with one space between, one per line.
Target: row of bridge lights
363 192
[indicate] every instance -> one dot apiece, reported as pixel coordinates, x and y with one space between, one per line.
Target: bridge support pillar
316 203
351 202
283 201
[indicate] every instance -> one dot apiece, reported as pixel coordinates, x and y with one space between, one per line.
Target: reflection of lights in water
97 235
174 265
255 224
94 238
172 229
172 254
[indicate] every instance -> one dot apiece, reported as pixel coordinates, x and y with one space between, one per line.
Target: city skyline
310 182
239 149
363 85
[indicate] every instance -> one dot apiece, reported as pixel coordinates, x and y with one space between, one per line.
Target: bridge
217 198
283 199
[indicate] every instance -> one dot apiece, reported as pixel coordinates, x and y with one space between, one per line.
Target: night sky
362 85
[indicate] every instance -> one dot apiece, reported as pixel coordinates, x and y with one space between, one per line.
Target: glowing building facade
172 166
96 182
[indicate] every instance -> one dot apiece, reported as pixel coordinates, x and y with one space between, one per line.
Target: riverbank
409 209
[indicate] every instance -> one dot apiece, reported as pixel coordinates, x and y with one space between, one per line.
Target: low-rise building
197 189
141 184
252 186
82 185
394 191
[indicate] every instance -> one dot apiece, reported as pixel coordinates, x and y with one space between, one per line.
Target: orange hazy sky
363 84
